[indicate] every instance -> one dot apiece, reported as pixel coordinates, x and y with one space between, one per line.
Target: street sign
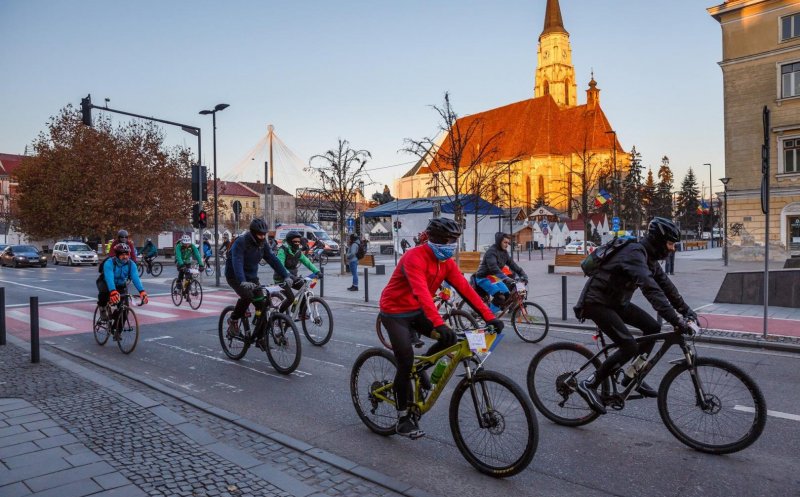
544 224
351 223
615 223
237 209
545 229
327 215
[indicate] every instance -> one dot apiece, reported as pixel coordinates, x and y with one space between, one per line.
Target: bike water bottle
438 370
258 315
636 366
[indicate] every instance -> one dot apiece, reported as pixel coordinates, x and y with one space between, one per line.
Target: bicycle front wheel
100 327
317 321
530 322
461 320
375 368
128 328
194 294
475 317
494 424
140 268
552 378
232 340
209 269
283 343
730 416
176 292
156 268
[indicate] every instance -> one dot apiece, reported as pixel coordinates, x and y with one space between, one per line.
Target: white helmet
186 239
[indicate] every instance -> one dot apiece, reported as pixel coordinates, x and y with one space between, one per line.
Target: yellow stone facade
757 53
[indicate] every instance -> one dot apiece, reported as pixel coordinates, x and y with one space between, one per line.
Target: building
8 163
285 210
761 67
545 145
230 192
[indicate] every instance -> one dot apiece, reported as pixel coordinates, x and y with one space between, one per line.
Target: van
73 253
310 231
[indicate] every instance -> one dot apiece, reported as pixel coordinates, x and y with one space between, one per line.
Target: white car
74 253
578 248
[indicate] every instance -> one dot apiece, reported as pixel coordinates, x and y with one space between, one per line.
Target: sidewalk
698 276
69 430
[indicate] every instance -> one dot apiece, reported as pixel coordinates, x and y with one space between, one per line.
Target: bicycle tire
176 293
140 268
262 262
156 268
323 259
536 322
235 347
477 318
99 329
374 368
461 320
497 457
209 269
195 294
283 343
383 334
747 403
129 332
554 393
321 337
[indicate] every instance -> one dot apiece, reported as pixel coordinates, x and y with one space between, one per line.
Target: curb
266 471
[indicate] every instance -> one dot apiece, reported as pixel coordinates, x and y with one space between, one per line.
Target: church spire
552 19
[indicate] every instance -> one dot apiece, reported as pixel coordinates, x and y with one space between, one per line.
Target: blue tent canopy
421 205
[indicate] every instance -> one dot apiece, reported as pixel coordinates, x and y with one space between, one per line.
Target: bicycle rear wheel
731 418
318 327
373 369
156 269
194 294
209 269
283 343
140 268
99 327
461 320
530 322
234 342
476 318
176 292
494 424
128 327
552 380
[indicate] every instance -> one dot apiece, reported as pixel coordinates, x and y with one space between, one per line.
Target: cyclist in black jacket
490 276
606 300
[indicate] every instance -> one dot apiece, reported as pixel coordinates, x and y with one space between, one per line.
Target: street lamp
725 220
213 113
710 204
614 174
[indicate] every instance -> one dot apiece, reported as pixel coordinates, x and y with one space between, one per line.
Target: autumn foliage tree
90 182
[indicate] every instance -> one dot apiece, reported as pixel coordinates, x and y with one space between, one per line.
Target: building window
791 155
790 80
790 27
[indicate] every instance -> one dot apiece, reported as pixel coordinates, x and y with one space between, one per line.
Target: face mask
443 251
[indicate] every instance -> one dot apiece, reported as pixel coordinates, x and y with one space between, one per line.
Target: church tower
555 74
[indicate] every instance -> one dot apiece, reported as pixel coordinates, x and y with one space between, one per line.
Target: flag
702 207
602 197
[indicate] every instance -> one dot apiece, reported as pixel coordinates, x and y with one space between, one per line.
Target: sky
365 71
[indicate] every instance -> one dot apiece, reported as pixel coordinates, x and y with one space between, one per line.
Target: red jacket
417 278
112 252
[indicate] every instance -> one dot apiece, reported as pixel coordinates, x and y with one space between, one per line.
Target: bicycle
209 267
150 266
694 391
528 319
273 332
491 419
191 290
312 312
318 257
121 322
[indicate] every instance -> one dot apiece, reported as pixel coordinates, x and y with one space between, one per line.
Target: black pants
401 335
183 271
104 293
612 321
244 298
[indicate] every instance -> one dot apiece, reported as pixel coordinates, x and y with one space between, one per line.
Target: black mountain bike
273 332
150 266
708 404
121 323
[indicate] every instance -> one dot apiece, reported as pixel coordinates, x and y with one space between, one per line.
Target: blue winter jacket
116 273
243 258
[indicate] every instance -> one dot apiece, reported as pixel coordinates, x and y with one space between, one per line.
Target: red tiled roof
259 188
10 162
233 189
536 127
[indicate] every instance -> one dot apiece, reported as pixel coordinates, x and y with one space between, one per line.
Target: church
546 150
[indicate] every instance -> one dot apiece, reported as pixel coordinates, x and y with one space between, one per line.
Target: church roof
9 163
552 19
535 127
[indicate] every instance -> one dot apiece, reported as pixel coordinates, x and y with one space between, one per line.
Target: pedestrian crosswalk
59 319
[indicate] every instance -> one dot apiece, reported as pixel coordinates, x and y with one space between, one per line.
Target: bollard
366 284
2 315
322 282
563 298
529 252
541 251
34 330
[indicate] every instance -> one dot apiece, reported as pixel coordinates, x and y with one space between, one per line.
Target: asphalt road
627 453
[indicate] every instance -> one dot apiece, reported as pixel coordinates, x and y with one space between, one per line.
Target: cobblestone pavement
150 443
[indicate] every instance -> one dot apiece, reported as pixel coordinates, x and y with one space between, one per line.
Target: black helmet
122 248
258 225
661 230
292 235
122 234
442 229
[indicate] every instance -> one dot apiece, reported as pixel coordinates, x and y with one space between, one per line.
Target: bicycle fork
484 420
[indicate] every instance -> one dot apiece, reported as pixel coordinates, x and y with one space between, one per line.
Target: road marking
172 306
774 414
45 289
165 337
154 314
73 312
324 362
219 359
44 323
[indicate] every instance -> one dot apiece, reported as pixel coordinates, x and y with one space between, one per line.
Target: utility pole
270 223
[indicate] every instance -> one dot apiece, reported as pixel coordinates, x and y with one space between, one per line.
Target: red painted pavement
750 324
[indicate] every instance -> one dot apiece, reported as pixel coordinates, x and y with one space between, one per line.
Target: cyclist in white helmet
184 251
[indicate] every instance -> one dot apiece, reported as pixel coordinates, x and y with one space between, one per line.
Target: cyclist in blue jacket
117 271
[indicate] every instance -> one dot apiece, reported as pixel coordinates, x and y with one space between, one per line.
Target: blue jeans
354 271
492 288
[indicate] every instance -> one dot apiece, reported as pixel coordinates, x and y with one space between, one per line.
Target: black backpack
591 264
361 251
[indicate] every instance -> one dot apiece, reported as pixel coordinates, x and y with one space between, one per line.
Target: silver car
74 253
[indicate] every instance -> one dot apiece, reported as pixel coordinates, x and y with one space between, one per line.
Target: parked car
312 233
73 253
22 255
578 248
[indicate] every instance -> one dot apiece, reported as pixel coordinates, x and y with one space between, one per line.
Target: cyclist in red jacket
406 304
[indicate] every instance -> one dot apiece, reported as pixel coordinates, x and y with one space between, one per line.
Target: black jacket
634 266
495 258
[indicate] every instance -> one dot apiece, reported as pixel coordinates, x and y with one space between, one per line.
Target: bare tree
341 174
482 184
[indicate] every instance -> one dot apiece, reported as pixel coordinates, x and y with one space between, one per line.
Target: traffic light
201 220
196 215
86 110
203 183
